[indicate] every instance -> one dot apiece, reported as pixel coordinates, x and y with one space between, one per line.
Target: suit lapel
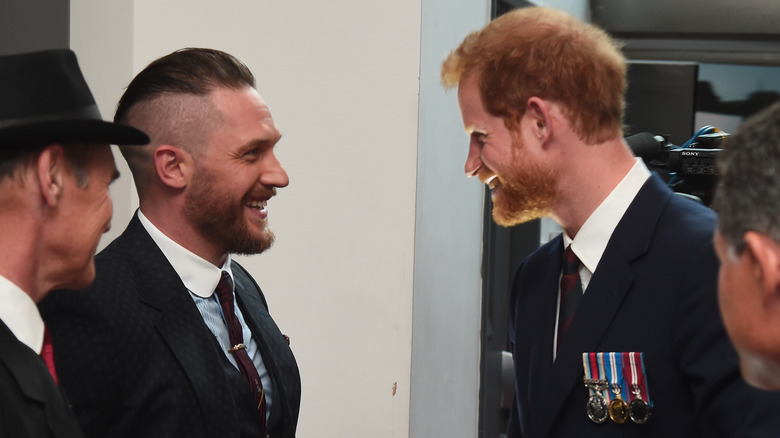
543 321
36 384
180 325
273 347
603 297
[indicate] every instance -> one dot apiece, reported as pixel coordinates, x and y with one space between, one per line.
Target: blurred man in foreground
748 244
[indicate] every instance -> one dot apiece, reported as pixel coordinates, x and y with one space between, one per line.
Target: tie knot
224 288
570 261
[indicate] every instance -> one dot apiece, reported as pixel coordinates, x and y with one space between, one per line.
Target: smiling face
522 188
236 174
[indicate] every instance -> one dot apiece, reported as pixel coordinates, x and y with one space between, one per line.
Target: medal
638 409
596 409
596 406
618 409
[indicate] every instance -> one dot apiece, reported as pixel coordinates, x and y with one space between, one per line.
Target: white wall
343 81
448 251
577 8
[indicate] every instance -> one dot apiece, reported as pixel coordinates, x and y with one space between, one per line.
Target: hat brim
70 131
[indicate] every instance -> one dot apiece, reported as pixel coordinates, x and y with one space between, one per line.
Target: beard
527 190
218 216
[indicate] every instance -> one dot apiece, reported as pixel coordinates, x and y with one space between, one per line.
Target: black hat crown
44 99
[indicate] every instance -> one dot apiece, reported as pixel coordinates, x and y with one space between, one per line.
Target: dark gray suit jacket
137 360
31 405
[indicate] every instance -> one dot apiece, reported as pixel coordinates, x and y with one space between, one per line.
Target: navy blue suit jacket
137 360
654 291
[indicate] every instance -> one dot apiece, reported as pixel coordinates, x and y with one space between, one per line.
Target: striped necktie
224 292
571 292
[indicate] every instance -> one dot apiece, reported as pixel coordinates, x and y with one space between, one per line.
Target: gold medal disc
618 411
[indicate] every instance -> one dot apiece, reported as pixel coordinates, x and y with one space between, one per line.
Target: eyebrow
262 142
472 129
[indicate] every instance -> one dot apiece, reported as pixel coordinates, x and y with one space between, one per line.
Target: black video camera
689 169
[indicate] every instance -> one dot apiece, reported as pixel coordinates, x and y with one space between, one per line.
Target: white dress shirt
592 238
201 278
20 313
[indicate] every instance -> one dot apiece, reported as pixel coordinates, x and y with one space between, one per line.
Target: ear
174 166
537 112
764 254
52 169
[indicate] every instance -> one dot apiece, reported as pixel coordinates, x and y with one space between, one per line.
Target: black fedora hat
44 99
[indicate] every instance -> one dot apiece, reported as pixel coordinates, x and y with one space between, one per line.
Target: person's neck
176 228
590 177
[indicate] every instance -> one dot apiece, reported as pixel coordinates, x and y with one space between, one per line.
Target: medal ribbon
615 371
593 371
634 365
603 371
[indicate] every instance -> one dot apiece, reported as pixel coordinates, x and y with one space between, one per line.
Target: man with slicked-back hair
174 338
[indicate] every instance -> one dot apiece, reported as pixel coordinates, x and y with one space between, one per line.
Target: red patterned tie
571 292
47 353
224 293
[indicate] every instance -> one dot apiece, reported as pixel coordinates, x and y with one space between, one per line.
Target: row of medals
617 410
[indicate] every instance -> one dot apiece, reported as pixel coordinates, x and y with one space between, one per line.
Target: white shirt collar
594 235
21 315
197 274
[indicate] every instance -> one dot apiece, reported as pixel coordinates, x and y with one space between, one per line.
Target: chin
509 218
760 371
82 280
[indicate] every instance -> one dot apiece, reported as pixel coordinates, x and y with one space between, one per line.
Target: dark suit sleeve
84 356
725 404
513 426
120 377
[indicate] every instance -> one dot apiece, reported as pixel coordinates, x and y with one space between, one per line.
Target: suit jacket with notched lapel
140 362
654 291
32 405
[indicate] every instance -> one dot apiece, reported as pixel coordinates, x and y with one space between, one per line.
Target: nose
474 159
274 175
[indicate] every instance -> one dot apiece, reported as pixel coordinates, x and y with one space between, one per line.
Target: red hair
546 53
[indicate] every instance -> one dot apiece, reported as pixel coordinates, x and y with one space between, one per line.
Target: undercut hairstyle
747 196
549 54
170 101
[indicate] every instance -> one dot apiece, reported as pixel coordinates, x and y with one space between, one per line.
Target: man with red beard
614 324
174 338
